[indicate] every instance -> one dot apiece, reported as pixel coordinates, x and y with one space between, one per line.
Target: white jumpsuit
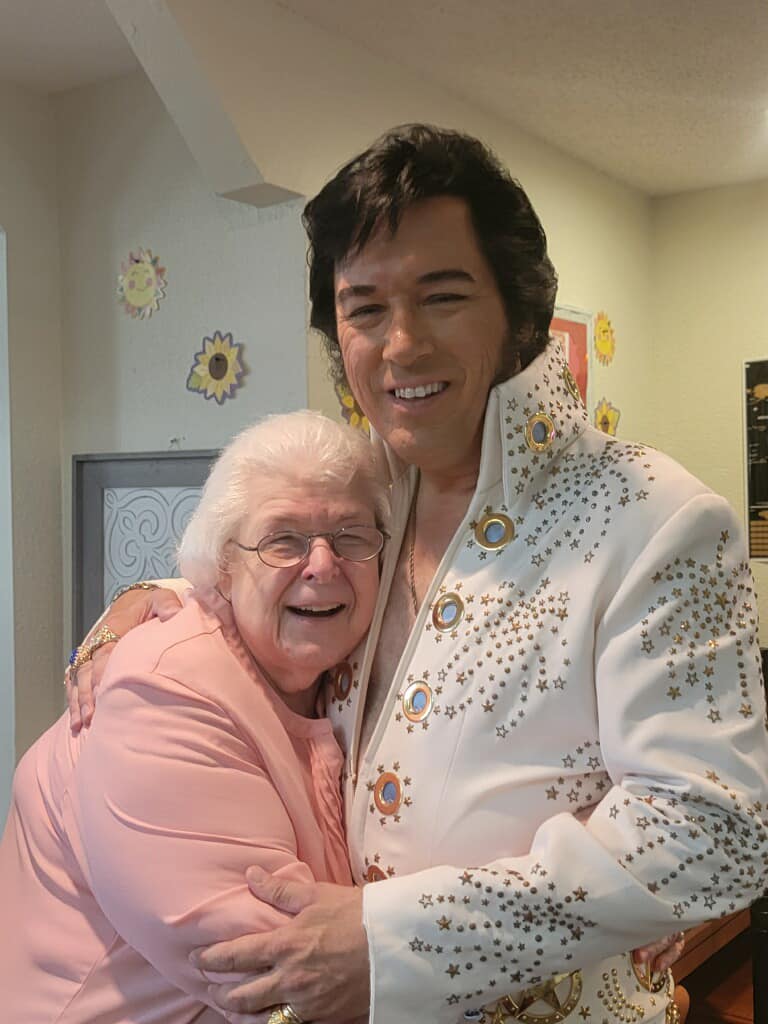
572 759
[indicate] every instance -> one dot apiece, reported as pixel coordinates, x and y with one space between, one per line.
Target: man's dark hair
415 162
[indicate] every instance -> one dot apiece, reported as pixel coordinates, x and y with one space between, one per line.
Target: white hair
296 447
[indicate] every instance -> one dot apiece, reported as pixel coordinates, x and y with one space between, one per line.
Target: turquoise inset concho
494 531
342 680
417 702
448 612
539 432
388 793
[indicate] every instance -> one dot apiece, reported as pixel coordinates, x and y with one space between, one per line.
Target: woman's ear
224 583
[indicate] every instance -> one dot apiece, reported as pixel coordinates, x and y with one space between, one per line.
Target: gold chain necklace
411 551
411 572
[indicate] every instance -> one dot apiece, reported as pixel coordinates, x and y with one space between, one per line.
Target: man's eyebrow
449 274
431 277
354 289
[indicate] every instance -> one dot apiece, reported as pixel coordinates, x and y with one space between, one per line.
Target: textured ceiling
53 45
667 95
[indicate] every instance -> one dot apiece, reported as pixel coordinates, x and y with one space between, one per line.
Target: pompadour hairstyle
415 162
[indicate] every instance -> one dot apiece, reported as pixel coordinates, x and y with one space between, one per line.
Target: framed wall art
128 514
573 329
756 456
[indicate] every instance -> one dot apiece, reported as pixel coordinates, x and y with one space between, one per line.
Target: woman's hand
318 963
661 954
133 608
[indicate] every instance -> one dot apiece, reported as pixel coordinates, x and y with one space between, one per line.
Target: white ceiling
53 45
667 95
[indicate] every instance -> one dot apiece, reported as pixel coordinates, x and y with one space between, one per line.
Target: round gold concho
548 1003
571 383
374 874
417 701
448 612
539 432
494 531
342 680
388 793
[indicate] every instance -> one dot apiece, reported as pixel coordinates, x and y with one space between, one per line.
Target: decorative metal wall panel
142 529
129 512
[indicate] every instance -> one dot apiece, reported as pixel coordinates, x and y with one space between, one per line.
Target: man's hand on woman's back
128 611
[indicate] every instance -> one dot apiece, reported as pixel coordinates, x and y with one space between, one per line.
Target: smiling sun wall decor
217 370
605 339
141 284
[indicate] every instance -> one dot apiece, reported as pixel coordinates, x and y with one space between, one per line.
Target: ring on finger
102 636
78 658
284 1014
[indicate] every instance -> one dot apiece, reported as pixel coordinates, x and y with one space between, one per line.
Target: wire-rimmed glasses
289 547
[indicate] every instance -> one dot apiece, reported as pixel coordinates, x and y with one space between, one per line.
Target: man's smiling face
422 328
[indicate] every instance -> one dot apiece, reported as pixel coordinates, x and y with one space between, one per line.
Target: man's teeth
421 391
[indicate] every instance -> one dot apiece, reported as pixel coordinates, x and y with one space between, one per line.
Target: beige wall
676 277
127 179
710 269
302 101
29 217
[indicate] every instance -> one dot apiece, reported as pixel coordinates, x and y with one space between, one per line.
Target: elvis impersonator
555 733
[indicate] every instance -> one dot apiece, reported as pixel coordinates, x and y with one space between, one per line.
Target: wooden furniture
703 942
725 969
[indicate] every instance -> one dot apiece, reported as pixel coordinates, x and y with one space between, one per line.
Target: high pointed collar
529 420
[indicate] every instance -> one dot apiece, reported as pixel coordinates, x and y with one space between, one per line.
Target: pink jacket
126 846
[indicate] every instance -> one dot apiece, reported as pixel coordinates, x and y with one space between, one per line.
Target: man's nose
321 563
407 338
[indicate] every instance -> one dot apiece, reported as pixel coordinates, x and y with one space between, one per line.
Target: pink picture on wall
573 334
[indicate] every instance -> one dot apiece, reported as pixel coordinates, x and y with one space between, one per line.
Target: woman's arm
122 615
169 807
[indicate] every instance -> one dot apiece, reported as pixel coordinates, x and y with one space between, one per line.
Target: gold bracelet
134 586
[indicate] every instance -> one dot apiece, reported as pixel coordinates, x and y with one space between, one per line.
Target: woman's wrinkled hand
128 611
661 954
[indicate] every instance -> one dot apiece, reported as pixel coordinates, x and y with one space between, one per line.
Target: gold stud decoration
448 612
388 793
417 702
494 531
539 432
374 874
571 384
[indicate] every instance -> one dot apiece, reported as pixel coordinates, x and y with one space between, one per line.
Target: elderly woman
127 845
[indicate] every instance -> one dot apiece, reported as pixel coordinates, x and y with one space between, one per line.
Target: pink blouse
126 846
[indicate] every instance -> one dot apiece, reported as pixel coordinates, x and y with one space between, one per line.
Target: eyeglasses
289 547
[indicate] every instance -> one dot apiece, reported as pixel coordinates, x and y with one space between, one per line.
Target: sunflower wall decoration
141 284
350 410
217 371
606 417
605 340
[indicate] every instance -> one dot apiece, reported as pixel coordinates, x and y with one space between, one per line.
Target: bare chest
415 570
397 624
